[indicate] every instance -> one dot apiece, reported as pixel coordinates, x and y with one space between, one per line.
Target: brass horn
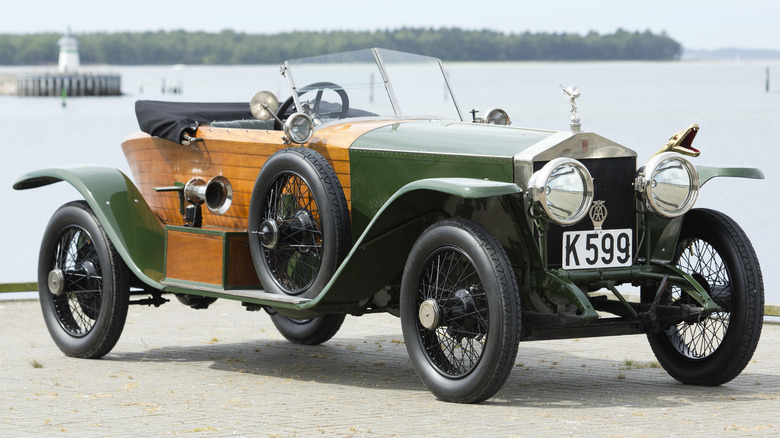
682 142
217 194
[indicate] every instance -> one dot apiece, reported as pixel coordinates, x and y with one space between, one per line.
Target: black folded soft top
170 120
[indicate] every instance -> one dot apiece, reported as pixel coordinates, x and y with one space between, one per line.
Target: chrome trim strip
576 145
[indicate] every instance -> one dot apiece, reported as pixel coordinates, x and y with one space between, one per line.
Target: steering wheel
315 109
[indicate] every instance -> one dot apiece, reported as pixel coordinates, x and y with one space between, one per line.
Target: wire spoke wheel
717 254
460 311
78 306
296 258
457 344
83 284
701 339
298 223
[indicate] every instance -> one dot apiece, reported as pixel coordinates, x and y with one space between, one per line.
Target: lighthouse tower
69 53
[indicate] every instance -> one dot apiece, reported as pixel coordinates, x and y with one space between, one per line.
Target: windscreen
373 82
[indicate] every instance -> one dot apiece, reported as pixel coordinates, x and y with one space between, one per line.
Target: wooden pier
74 84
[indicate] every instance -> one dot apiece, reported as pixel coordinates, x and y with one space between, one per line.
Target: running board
254 294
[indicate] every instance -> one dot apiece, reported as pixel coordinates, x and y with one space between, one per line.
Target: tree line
229 47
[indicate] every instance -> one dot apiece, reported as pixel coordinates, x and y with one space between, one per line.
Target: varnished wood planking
243 165
194 257
240 198
236 154
164 179
200 258
241 269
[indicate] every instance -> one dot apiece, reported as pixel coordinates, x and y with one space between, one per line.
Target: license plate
597 249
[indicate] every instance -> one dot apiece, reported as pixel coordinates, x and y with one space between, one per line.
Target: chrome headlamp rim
537 189
492 113
644 184
292 134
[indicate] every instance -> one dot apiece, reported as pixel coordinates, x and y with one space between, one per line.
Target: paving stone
227 372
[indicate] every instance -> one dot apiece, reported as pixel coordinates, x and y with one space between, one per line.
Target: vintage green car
365 192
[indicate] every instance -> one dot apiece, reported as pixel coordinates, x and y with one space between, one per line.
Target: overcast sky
696 24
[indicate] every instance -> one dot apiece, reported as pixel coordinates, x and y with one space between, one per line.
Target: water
637 104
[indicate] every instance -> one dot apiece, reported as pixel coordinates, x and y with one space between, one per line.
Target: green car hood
385 159
451 138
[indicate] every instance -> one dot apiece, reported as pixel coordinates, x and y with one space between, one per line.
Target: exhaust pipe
217 194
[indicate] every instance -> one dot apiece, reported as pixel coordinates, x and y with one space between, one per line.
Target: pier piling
74 84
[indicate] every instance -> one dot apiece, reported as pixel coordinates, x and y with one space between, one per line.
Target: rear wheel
82 283
460 311
715 251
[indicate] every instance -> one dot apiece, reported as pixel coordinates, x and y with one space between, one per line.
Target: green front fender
379 254
707 173
666 231
130 224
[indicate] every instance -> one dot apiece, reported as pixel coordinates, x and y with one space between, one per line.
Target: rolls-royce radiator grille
612 183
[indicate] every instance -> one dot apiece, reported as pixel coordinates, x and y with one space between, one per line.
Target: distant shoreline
233 48
730 54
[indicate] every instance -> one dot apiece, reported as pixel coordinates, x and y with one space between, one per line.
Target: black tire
467 355
312 331
299 228
86 316
715 251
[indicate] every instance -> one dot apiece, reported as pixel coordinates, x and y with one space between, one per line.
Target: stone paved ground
227 372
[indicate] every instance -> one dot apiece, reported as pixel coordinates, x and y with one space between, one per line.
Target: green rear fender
378 256
130 224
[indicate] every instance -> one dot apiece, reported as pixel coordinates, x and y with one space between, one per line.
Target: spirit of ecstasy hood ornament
572 92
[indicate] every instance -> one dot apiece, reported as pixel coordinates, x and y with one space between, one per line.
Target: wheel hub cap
269 234
429 314
56 282
303 225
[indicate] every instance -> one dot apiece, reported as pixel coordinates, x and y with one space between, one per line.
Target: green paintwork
706 173
693 288
556 282
130 224
663 233
380 252
451 138
621 298
662 237
385 159
632 274
376 176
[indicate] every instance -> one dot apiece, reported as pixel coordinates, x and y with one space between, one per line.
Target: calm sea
637 104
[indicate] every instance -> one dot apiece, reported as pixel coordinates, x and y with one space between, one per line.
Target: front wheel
460 311
715 251
82 282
